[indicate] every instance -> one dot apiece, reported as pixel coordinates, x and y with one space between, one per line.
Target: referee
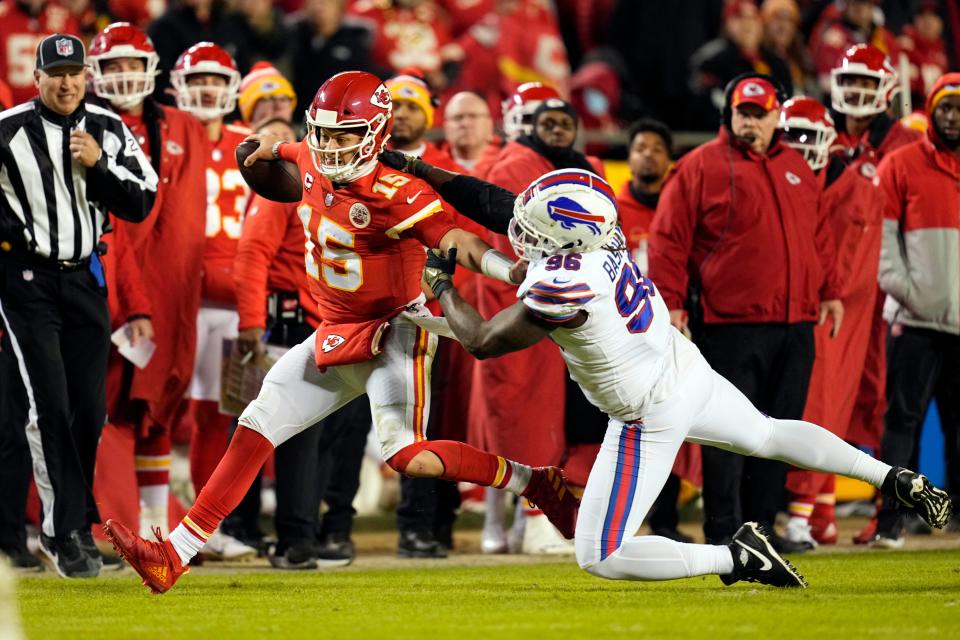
63 166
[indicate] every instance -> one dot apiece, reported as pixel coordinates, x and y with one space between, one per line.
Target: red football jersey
227 197
406 37
365 240
20 34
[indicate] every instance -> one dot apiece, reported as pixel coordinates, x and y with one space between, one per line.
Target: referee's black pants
15 467
771 364
59 333
922 364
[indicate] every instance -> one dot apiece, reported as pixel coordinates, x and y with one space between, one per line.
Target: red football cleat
866 534
548 490
156 562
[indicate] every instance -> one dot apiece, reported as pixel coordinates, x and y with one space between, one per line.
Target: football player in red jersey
23 24
366 228
158 302
207 82
852 203
861 91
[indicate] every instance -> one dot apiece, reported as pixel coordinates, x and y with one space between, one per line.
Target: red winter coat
882 137
635 220
517 401
747 228
853 205
168 262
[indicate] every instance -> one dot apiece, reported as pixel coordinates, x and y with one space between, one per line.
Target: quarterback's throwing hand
438 272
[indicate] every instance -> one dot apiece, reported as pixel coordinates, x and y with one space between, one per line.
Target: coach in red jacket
918 272
739 217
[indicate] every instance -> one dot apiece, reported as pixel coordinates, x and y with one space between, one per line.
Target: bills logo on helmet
569 213
331 342
381 98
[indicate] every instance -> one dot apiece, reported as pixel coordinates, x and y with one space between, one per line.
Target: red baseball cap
755 91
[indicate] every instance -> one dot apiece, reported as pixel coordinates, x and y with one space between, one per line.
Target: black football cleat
755 560
918 493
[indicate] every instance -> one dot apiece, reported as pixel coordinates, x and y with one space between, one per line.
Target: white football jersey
627 354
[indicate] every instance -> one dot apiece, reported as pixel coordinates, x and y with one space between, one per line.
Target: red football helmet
123 89
806 126
863 61
207 102
360 103
518 109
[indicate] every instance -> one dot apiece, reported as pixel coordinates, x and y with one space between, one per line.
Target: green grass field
852 595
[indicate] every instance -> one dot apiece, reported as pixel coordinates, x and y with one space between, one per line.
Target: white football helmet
564 211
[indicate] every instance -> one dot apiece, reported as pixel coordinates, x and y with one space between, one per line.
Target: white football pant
636 458
296 395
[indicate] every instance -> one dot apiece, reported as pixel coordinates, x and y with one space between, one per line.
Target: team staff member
322 464
744 204
65 164
918 272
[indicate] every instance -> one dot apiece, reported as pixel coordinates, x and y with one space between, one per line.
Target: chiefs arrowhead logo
381 98
331 342
792 178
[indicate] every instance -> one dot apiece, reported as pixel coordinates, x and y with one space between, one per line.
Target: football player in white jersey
583 291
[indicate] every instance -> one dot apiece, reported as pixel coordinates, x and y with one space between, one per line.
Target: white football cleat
798 531
221 546
540 538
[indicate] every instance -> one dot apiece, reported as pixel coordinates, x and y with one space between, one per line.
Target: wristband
276 149
496 265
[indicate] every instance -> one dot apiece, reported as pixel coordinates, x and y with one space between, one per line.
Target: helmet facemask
812 140
861 101
191 98
125 89
330 163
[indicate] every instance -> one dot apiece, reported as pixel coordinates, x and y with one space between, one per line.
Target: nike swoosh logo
414 197
767 565
559 281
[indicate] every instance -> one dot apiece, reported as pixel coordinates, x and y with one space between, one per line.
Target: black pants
921 364
15 468
59 337
430 505
319 463
771 365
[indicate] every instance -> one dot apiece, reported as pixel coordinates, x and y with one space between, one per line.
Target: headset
782 95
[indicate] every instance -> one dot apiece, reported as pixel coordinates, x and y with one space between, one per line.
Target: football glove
438 272
402 162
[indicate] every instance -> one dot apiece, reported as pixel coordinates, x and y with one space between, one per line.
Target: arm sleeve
263 232
131 292
556 303
671 237
483 202
122 180
827 254
893 275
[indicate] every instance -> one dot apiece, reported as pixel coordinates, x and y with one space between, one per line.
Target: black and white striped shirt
54 203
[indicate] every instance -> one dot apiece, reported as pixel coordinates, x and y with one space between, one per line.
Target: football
276 180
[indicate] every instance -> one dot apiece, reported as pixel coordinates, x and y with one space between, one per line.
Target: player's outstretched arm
475 254
483 202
